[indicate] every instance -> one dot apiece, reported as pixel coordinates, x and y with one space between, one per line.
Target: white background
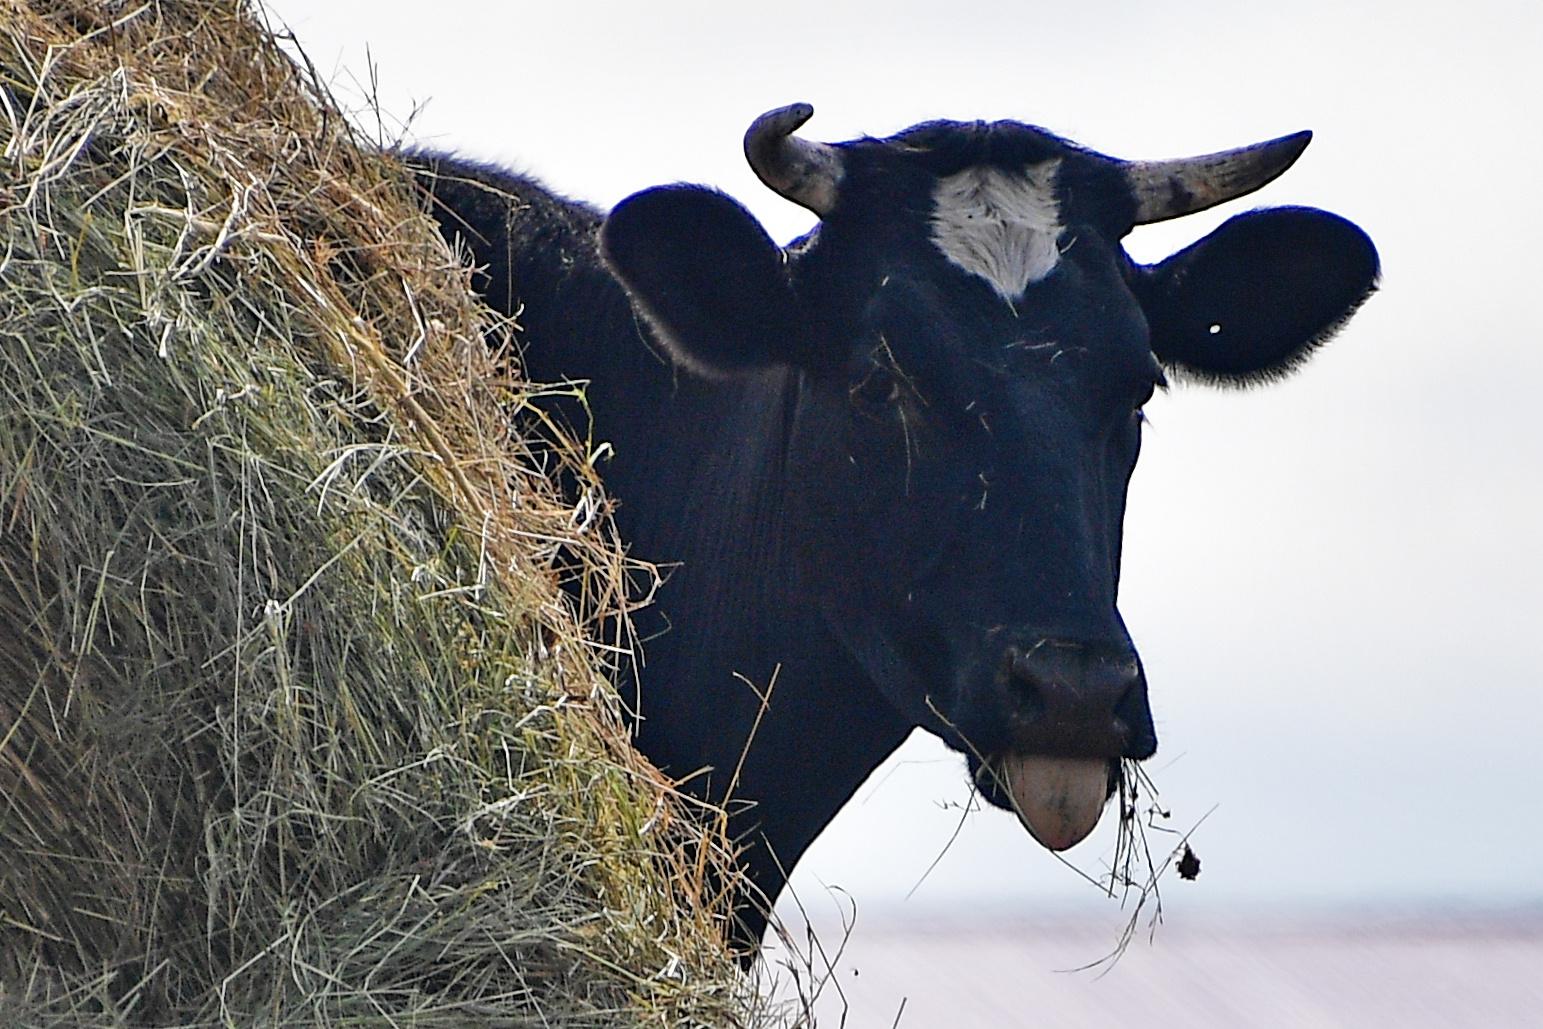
1334 582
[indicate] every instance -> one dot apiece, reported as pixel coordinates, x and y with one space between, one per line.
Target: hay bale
296 727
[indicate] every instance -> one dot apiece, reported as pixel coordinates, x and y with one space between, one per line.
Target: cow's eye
878 389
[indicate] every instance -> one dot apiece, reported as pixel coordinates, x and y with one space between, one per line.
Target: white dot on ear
1215 328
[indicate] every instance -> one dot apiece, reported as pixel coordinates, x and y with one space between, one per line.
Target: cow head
972 348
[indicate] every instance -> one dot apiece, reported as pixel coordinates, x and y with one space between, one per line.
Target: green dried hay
296 727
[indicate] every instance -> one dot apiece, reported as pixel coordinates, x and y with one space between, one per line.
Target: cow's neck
698 474
740 624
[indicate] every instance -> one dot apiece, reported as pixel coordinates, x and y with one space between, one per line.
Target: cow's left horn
803 172
1168 189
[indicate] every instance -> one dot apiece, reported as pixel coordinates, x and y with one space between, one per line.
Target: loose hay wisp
295 726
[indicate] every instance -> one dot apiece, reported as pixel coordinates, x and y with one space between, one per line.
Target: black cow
888 462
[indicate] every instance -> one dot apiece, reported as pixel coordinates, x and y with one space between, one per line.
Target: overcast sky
1334 582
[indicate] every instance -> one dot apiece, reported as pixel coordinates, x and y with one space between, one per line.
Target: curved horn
1168 189
803 172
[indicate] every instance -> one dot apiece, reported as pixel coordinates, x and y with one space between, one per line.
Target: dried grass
296 727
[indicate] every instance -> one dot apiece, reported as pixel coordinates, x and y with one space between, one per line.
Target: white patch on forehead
999 225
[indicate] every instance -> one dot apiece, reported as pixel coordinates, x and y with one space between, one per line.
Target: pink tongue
1058 799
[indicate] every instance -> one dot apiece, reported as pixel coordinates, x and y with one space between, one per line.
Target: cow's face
974 348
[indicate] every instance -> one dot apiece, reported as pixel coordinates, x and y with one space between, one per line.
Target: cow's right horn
803 172
1168 189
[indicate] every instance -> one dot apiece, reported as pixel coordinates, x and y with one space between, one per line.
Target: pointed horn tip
780 121
1293 143
797 113
1282 152
802 111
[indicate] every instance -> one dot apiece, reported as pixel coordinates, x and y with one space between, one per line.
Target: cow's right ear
705 274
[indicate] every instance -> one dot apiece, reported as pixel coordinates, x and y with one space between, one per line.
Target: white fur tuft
999 226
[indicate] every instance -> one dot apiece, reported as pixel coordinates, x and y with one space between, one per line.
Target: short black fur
887 497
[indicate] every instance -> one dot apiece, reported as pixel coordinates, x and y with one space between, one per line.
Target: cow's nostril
1076 699
1026 687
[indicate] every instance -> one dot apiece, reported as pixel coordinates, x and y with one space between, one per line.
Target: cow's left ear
1253 299
706 275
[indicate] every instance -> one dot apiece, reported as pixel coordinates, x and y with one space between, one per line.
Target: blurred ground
1390 969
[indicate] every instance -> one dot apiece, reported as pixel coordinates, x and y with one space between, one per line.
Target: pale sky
1334 582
